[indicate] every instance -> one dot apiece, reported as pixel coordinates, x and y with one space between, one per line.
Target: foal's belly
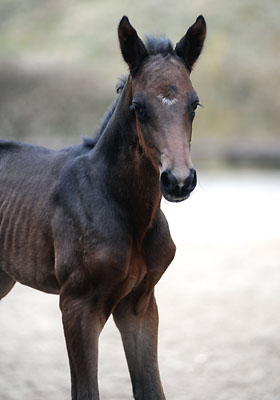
39 276
26 255
43 280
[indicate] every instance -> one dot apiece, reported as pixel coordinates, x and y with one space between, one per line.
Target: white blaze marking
166 101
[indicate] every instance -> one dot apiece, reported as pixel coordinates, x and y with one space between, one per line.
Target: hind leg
6 284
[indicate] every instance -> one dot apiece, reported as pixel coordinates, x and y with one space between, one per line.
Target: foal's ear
132 47
190 46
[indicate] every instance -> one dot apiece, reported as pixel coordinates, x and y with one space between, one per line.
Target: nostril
164 179
188 180
194 182
170 185
168 180
190 183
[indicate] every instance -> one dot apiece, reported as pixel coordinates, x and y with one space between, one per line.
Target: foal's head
164 102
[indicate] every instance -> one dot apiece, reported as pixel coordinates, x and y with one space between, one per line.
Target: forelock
159 45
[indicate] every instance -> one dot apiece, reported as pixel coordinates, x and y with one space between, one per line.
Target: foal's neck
132 178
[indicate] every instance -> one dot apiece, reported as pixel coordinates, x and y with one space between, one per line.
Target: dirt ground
219 306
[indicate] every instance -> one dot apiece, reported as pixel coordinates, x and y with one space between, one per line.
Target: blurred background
60 60
219 302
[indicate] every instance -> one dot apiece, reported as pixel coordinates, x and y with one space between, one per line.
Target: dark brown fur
85 222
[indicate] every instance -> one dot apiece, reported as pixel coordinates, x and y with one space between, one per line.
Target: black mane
91 142
159 45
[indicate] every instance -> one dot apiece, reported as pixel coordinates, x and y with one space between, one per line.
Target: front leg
82 323
86 305
139 332
136 315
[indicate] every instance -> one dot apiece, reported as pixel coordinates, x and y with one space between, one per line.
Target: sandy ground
219 306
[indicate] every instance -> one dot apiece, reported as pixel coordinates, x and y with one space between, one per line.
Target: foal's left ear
190 46
132 47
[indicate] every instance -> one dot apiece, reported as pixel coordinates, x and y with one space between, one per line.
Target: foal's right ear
132 47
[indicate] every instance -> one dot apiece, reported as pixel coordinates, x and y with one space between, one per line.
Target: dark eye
136 106
194 106
139 109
